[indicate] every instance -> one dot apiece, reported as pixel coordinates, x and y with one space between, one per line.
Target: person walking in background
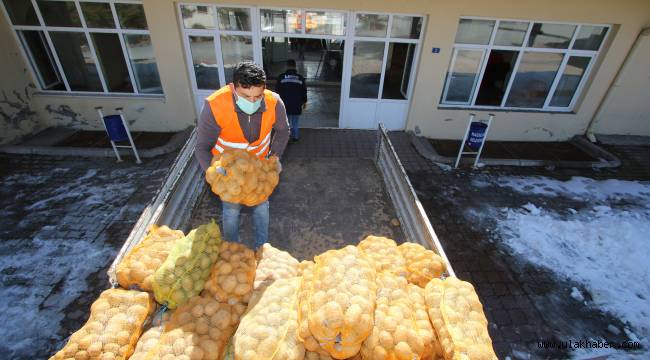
292 89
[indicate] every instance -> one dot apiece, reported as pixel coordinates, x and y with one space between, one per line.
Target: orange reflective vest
232 136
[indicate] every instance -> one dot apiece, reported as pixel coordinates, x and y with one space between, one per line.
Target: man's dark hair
291 64
248 74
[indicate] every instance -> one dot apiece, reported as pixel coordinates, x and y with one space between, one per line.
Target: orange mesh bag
150 338
248 180
311 355
188 266
341 301
422 264
384 254
198 330
115 324
422 323
458 320
138 266
273 265
396 333
231 279
268 331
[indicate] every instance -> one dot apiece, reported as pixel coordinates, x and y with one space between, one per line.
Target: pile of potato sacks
376 301
249 180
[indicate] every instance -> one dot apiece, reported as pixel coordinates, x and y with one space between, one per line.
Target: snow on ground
44 270
604 246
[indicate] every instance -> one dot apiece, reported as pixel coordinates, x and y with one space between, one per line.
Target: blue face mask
249 107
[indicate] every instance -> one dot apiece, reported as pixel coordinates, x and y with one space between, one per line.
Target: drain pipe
589 132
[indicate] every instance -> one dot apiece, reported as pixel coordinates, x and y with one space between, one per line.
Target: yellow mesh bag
150 338
458 320
188 266
384 254
268 331
138 266
305 335
115 324
396 333
310 355
198 330
422 264
422 323
342 301
274 264
248 180
231 279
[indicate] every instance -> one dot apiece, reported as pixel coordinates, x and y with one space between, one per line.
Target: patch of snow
577 295
578 188
604 247
613 329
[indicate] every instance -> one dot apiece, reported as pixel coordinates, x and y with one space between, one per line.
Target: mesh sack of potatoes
268 330
231 279
396 333
116 321
305 335
188 266
422 264
458 320
422 322
138 266
384 254
197 330
341 301
274 264
151 336
249 180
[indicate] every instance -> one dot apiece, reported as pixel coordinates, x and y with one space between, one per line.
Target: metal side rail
414 220
172 204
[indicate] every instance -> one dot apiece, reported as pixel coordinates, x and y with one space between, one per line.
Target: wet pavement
62 221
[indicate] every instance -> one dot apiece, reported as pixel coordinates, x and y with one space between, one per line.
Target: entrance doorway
359 67
320 61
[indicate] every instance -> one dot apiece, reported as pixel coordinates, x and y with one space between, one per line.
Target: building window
514 64
86 46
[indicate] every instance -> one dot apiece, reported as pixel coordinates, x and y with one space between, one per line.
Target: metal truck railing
414 221
175 200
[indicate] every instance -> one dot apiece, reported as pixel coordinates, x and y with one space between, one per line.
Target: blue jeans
293 123
260 220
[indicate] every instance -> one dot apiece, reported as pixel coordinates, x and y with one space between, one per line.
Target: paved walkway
62 221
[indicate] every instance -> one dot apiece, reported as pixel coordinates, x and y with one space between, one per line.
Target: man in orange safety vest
243 115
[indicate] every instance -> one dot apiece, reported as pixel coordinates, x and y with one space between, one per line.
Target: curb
607 159
176 141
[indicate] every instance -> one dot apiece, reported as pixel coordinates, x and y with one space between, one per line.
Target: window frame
567 53
86 31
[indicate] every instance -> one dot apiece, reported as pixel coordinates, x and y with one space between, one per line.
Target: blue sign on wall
435 50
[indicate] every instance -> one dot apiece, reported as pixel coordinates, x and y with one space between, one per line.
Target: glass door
380 67
216 38
315 41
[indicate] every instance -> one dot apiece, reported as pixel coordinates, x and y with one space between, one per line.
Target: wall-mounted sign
435 50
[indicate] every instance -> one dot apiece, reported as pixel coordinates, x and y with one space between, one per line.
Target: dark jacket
292 89
208 130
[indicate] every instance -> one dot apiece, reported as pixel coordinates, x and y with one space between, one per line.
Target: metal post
480 149
101 119
128 133
462 144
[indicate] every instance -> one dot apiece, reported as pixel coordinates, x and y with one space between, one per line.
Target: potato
181 275
330 297
248 180
460 328
116 321
422 265
232 276
384 254
139 265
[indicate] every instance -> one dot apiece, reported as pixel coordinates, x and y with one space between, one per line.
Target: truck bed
319 204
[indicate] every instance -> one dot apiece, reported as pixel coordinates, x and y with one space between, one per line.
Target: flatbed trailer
320 204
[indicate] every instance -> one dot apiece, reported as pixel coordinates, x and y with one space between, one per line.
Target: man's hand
277 162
